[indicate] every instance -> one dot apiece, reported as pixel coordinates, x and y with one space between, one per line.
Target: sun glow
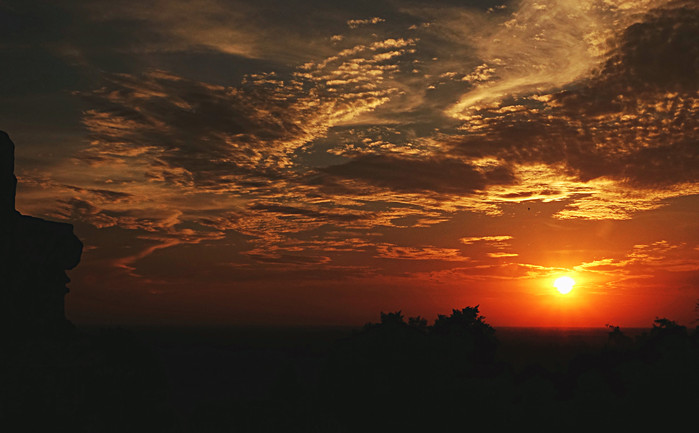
564 285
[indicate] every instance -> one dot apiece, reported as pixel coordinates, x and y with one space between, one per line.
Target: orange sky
313 163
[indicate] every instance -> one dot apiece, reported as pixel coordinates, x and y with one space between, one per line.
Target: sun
564 285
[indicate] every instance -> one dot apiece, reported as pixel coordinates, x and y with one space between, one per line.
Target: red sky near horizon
316 163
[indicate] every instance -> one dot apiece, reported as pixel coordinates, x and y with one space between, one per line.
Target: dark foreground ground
390 376
211 364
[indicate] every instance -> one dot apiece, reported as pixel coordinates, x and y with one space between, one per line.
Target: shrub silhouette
399 374
473 336
407 373
617 340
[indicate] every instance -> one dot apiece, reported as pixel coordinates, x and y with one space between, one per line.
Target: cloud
495 270
103 194
353 24
499 255
544 45
393 128
440 175
389 251
75 209
652 268
620 140
489 239
660 52
227 158
250 139
184 25
232 27
196 134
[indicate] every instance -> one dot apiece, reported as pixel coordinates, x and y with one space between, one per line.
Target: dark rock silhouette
53 376
35 255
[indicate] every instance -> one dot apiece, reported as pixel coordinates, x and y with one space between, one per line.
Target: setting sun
564 285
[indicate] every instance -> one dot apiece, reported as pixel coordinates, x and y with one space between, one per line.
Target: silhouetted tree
396 320
373 374
462 322
418 323
382 368
666 325
618 340
470 328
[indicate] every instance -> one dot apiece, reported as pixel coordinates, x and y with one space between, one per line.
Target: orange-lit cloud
449 144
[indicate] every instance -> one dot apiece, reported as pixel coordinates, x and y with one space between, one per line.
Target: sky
313 162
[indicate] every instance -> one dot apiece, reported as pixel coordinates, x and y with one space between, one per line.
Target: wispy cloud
374 140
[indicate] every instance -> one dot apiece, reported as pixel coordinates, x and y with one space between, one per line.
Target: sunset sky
311 162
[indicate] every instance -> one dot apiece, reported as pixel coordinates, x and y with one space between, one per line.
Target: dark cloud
634 121
289 259
660 53
316 214
192 133
440 175
78 210
211 132
656 56
103 194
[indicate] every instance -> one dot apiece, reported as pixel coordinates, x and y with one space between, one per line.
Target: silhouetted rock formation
35 255
54 377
